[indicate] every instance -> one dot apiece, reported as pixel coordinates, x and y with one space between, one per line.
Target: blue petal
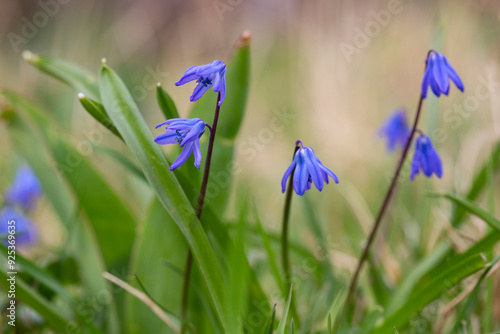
434 86
313 168
188 76
185 153
223 89
287 174
213 67
194 133
300 177
328 171
425 81
169 137
198 92
217 82
454 76
415 166
440 73
178 121
197 154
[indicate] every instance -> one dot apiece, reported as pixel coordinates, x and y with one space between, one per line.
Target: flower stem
284 236
199 209
384 206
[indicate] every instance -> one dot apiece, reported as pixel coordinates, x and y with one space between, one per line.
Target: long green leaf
492 165
124 113
159 240
474 209
430 291
282 324
73 75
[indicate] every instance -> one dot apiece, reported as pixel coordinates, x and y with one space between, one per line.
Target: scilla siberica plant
187 132
438 74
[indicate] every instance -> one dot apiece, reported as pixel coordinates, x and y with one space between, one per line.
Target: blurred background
325 72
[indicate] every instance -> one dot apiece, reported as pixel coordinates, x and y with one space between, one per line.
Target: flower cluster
22 195
395 129
213 74
187 131
438 74
305 169
425 159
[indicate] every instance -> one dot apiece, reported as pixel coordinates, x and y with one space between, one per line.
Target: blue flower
25 189
307 168
396 130
26 233
213 74
438 74
425 159
186 132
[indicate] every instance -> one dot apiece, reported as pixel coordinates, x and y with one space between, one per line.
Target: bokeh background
326 72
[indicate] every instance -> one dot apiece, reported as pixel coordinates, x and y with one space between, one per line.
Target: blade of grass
73 75
473 208
282 324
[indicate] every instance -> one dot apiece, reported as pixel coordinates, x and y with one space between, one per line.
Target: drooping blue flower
308 168
438 74
213 74
25 189
186 132
395 129
425 159
26 233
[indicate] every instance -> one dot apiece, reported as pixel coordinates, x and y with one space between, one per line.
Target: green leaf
441 282
270 321
123 111
492 165
292 327
97 111
159 240
474 209
270 253
74 76
123 160
167 105
111 218
282 324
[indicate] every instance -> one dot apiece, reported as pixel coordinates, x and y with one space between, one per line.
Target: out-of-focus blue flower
26 232
395 129
438 74
25 189
425 159
213 74
308 168
186 132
